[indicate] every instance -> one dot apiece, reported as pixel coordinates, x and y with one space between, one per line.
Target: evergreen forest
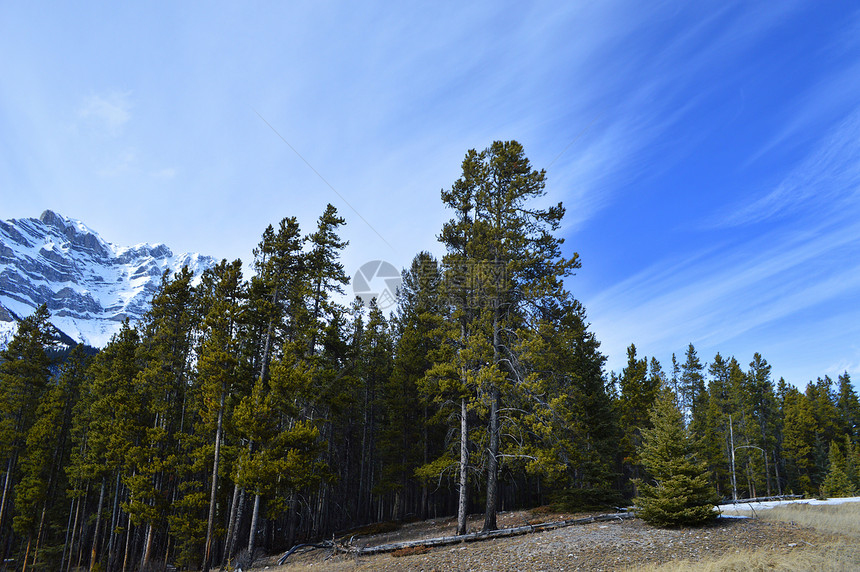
244 415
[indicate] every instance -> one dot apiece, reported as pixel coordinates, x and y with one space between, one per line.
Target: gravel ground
597 546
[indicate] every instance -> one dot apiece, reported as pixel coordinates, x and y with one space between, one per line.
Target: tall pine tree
506 247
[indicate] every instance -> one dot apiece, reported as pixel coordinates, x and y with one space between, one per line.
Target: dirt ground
615 545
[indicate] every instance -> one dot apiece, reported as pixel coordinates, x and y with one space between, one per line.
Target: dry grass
831 518
833 558
842 520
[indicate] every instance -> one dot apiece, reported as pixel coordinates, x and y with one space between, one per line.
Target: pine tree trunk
291 520
463 502
767 472
267 344
362 499
125 552
6 481
80 532
69 529
166 552
493 465
315 316
210 525
115 516
776 470
94 552
231 524
316 527
425 490
240 510
252 540
400 498
147 550
27 552
39 532
732 450
493 452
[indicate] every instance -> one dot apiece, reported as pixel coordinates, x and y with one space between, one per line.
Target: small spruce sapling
677 492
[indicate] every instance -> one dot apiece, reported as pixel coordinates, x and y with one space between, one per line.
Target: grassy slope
843 554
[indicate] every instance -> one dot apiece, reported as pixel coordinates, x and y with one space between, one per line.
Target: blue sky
708 153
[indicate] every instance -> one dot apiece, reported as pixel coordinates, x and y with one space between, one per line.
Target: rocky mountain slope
89 285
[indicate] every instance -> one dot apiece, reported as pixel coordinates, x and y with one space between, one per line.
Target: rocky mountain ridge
88 284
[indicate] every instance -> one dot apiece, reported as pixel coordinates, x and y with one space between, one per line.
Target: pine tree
693 395
743 428
159 460
837 482
339 373
219 369
677 492
714 430
513 261
571 429
325 278
275 312
40 494
276 291
849 407
376 371
450 383
675 386
637 392
286 420
822 405
110 419
762 403
852 462
24 376
405 439
799 439
324 271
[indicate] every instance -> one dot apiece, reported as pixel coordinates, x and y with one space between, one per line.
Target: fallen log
324 544
479 536
763 499
448 540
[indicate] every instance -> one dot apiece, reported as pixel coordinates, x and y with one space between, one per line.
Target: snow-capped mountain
89 285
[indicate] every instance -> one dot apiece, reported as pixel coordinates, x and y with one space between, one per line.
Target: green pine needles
677 493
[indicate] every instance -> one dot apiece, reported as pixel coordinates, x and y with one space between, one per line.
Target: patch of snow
733 516
7 332
742 508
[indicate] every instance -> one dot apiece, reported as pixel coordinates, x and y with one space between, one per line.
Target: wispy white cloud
825 181
831 97
640 96
730 290
117 164
741 284
847 42
845 366
107 113
749 275
166 173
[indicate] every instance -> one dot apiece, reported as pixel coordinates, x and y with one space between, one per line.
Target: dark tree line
249 414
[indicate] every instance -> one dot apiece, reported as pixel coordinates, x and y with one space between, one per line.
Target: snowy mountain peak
76 233
64 224
89 285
